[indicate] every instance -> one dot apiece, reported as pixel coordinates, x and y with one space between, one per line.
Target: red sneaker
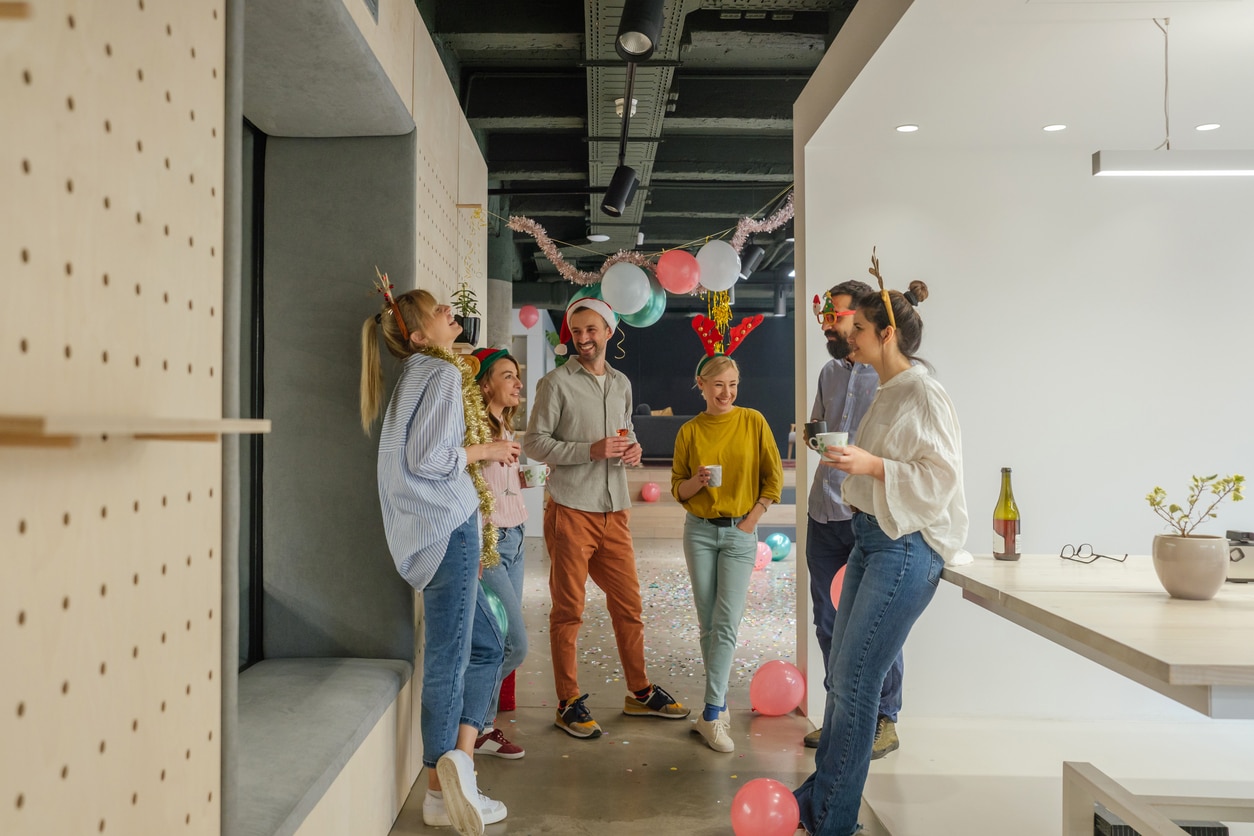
498 745
507 702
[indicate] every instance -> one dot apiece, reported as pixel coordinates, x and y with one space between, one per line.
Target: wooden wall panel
111 167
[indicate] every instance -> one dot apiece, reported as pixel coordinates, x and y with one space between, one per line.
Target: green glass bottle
1006 521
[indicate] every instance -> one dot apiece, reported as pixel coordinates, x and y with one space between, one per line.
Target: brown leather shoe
812 739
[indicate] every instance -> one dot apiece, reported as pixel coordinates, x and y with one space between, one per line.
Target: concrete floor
644 775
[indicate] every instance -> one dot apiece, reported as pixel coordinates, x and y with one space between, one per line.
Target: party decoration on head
712 336
481 359
874 270
382 285
825 311
590 302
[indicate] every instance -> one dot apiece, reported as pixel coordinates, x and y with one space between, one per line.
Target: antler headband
712 338
874 270
382 285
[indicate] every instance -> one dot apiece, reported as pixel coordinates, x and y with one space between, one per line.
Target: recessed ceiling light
1052 128
907 129
1209 126
598 237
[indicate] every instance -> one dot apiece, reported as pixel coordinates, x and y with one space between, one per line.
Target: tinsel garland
567 270
478 431
748 226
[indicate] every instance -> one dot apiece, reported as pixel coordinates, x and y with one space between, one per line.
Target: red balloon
763 556
776 688
649 491
838 583
677 271
528 315
764 807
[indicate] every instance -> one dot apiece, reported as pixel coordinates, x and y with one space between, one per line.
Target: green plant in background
465 302
1185 519
553 340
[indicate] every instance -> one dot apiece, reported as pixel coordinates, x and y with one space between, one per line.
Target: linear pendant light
1173 164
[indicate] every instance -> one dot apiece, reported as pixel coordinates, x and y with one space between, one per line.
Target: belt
723 522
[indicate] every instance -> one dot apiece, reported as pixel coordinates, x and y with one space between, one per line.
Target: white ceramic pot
1193 568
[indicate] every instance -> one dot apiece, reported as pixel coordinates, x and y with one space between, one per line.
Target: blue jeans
888 584
461 657
720 563
506 580
828 546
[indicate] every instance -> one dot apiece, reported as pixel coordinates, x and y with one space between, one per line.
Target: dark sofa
656 433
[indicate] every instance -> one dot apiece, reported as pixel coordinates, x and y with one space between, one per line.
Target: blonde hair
507 414
716 365
416 307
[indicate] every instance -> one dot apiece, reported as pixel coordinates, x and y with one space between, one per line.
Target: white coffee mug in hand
716 474
535 475
822 441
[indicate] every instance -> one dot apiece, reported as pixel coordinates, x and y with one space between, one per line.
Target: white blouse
913 427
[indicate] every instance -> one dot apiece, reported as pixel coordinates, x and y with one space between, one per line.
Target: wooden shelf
68 430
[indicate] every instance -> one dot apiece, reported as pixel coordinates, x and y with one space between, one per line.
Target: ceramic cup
535 475
820 442
716 474
813 428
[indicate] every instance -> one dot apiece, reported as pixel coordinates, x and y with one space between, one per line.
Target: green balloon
497 607
652 310
780 545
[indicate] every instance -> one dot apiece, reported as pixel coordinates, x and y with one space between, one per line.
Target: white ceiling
992 73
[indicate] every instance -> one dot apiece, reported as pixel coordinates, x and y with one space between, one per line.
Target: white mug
716 474
822 441
535 475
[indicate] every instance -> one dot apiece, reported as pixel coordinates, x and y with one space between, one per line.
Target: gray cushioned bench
300 720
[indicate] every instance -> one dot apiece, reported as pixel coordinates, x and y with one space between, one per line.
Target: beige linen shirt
912 425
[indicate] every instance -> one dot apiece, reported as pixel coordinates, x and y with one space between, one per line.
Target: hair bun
917 292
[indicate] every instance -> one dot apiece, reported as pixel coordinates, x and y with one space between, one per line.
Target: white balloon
720 265
625 288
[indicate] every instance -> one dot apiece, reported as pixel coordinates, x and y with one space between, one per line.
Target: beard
838 348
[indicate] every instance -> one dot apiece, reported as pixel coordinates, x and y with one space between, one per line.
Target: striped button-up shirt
845 392
424 489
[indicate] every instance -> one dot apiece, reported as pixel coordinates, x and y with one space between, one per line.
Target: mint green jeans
720 564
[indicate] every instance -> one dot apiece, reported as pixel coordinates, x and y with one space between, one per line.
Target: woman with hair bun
904 486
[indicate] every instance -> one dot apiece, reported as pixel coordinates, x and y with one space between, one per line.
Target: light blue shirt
424 489
845 392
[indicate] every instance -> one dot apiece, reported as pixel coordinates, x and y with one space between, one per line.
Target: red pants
583 543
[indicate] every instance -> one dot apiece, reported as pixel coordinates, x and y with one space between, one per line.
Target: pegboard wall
111 168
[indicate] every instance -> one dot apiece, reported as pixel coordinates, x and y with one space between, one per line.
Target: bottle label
1005 539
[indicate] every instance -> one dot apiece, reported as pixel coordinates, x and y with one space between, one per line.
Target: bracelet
765 507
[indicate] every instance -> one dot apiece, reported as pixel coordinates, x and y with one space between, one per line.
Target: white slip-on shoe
461 792
435 814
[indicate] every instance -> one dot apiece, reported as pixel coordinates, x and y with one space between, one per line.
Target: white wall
1093 335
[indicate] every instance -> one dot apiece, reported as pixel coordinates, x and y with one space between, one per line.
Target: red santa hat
599 305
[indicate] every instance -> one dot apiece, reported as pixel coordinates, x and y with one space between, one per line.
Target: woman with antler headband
726 472
910 518
436 505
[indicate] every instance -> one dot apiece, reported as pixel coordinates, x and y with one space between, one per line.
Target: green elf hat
485 357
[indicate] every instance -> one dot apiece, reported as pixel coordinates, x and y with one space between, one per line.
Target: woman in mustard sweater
720 533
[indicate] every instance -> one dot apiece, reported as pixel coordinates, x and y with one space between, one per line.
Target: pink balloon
763 556
777 688
764 807
677 271
649 491
838 583
528 315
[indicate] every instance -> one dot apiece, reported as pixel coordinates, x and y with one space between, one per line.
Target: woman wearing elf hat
724 506
499 381
433 442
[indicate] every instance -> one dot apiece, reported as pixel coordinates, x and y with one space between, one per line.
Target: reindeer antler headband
874 270
712 338
382 285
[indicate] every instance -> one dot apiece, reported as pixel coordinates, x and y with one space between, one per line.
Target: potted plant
1193 566
466 312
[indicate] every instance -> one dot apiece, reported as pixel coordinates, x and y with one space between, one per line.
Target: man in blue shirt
845 391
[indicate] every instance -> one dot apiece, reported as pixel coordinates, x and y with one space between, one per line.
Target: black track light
750 258
639 29
621 190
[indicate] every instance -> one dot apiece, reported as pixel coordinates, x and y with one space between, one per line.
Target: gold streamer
478 431
718 304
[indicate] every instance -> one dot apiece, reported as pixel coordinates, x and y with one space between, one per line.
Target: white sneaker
715 732
460 791
435 814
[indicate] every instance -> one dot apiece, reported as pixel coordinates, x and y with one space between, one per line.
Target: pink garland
748 226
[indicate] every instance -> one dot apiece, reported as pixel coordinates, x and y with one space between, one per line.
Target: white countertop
1199 653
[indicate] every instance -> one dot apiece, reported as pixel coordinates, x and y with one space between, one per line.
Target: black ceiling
712 136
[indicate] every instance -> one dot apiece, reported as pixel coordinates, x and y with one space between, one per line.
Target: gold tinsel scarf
478 431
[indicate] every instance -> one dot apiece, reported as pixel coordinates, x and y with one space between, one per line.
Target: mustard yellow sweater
742 443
